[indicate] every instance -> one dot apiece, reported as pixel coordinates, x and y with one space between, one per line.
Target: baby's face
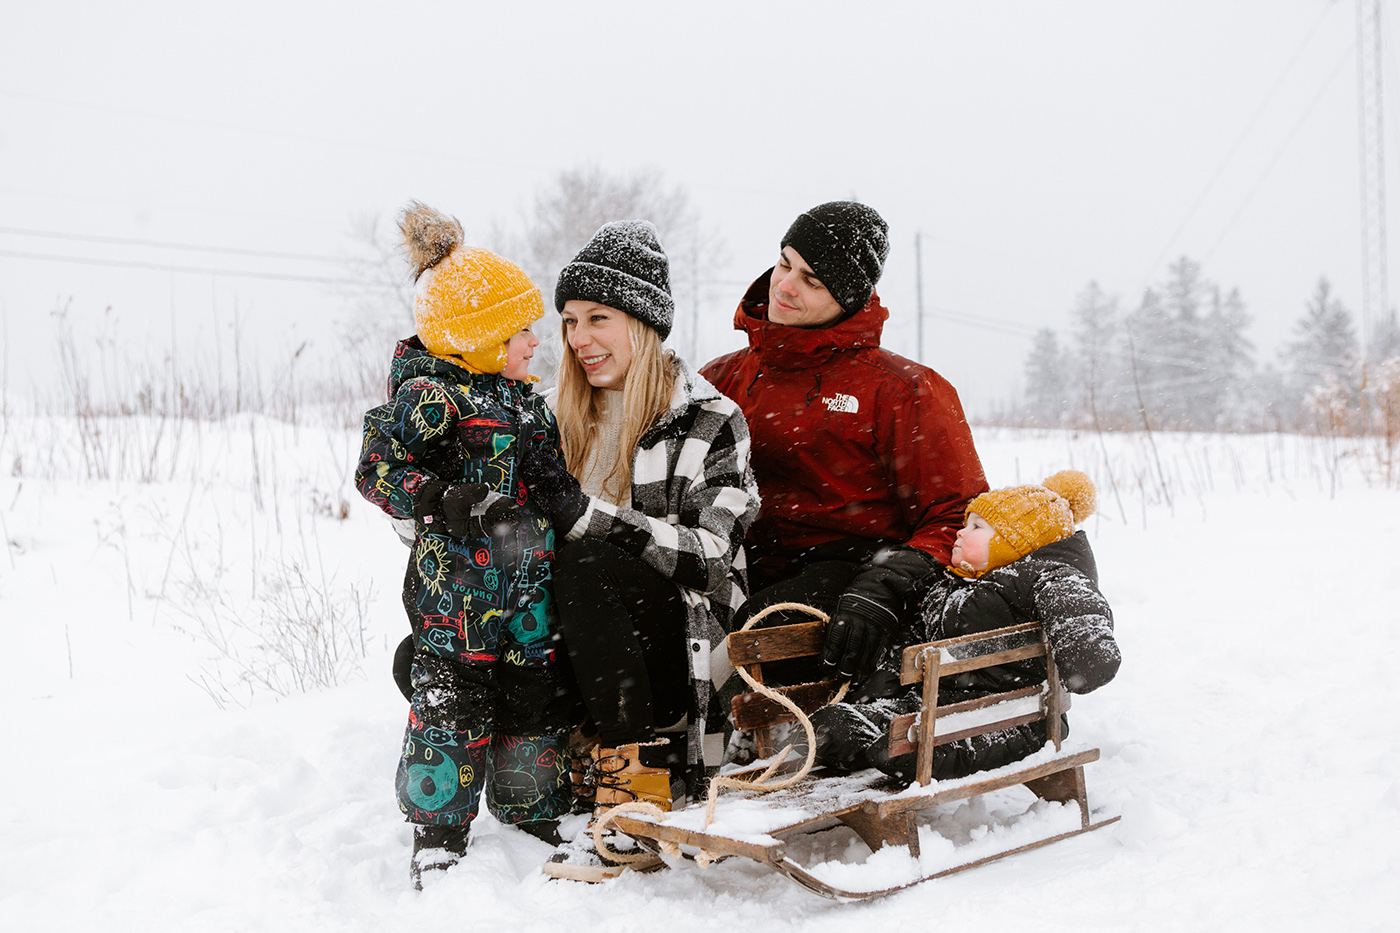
972 546
520 349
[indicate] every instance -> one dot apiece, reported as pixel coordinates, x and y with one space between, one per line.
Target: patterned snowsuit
486 680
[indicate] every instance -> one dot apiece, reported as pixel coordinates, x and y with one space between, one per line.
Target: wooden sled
761 826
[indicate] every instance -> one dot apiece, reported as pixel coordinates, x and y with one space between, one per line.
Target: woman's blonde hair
646 396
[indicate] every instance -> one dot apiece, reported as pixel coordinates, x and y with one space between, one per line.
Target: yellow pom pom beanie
469 302
1030 517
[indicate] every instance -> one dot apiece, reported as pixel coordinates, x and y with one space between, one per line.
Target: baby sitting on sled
1017 559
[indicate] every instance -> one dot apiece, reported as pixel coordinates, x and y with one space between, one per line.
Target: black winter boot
436 848
543 830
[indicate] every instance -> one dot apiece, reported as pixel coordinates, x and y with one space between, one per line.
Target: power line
192 270
1288 141
417 152
981 322
1244 133
161 244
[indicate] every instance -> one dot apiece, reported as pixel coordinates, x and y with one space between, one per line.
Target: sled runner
766 827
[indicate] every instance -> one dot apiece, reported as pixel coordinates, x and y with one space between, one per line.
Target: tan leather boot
621 778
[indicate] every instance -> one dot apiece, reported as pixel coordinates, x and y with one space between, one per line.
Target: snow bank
1248 741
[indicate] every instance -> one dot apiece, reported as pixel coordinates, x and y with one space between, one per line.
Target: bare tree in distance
375 317
566 211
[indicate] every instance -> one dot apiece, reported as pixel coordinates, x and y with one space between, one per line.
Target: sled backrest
924 664
752 649
937 724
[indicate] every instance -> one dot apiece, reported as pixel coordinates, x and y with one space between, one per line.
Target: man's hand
868 613
858 635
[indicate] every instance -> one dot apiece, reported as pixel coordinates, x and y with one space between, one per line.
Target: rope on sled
641 808
762 784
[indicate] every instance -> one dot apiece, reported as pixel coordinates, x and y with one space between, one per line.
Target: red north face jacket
849 440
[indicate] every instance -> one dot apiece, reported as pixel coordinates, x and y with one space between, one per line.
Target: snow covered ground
1249 740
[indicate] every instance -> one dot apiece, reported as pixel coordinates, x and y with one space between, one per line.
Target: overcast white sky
1036 145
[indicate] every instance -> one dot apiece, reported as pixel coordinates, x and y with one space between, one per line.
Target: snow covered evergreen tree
1228 357
1097 372
1047 381
1322 362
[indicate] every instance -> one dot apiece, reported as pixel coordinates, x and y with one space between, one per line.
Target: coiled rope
738 780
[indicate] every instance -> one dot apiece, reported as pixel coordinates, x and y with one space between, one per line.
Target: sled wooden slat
722 845
979 662
778 643
900 744
880 810
752 710
963 791
910 671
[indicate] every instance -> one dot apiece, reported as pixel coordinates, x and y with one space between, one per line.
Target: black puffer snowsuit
487 691
1056 585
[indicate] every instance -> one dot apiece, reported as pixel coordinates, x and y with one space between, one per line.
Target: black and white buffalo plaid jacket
693 499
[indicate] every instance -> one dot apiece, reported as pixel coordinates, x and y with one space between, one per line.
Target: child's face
520 349
972 546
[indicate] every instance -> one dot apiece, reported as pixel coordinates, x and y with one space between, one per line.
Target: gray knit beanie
623 267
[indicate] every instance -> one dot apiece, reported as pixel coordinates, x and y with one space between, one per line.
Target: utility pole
919 293
1375 302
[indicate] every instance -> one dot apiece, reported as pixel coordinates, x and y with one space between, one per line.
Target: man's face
796 297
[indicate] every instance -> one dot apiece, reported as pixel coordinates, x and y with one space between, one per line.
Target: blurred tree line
1180 360
562 215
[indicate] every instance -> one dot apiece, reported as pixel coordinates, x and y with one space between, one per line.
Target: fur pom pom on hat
1030 517
624 267
469 302
846 244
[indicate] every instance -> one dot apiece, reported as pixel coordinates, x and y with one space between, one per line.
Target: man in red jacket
863 459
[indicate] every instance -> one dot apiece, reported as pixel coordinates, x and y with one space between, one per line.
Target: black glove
868 613
465 510
553 489
858 635
843 735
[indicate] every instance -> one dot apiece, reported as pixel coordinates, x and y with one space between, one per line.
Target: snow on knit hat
469 302
845 243
1029 517
624 267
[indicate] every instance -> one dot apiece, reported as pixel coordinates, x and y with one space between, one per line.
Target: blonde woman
652 501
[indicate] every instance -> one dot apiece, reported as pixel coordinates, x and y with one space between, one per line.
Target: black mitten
465 510
843 735
553 489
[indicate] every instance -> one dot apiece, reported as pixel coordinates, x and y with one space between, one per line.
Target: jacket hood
413 361
1074 551
784 346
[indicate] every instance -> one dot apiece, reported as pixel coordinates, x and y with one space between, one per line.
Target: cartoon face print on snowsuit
485 670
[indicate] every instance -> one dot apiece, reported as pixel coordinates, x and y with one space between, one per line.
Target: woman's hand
553 489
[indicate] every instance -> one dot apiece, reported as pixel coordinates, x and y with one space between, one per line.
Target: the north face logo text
845 403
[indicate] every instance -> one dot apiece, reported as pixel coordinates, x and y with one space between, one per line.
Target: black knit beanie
623 267
845 243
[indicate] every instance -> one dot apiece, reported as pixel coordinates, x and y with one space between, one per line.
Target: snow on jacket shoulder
849 440
1056 585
